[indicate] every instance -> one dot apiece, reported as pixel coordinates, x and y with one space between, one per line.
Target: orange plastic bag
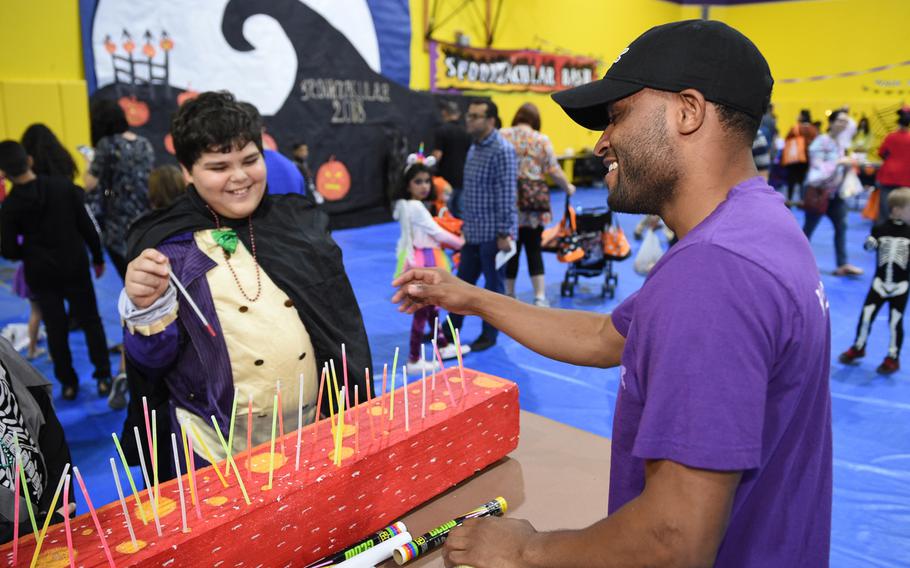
615 243
870 211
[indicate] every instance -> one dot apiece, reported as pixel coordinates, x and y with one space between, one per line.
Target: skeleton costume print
890 284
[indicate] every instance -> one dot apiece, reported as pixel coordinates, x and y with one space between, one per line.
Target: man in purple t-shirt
722 431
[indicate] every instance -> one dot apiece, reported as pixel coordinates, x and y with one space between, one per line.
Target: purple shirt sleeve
622 315
698 356
153 353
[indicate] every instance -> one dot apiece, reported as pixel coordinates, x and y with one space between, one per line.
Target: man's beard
648 171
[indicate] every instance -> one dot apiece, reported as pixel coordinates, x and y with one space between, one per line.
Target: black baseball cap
705 55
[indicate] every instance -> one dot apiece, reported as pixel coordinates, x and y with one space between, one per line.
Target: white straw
179 481
299 422
192 304
404 377
126 511
145 475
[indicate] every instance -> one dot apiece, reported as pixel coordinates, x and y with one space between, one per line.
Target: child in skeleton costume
890 284
420 247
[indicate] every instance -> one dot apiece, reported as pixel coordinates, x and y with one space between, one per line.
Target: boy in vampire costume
263 271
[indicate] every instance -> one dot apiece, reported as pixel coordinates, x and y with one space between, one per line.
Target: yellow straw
272 447
335 383
208 454
339 433
230 460
50 513
227 470
186 453
129 477
25 489
392 388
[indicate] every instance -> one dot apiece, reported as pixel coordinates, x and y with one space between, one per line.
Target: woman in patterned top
117 179
535 160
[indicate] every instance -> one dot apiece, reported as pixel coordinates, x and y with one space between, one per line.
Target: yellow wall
42 77
826 37
41 74
800 39
599 29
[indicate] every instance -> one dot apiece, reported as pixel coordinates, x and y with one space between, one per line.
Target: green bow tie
226 239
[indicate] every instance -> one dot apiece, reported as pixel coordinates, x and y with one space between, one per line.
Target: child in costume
263 270
890 284
420 247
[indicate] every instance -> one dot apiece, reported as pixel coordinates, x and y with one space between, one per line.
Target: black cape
296 250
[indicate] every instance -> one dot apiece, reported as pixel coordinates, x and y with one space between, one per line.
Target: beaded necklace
227 258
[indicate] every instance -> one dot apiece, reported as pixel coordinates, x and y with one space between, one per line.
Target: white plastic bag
649 253
851 186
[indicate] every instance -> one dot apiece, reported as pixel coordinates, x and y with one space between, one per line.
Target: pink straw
385 375
91 508
66 522
445 376
148 430
16 519
366 373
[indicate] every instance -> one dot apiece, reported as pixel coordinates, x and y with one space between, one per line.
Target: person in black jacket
44 223
28 422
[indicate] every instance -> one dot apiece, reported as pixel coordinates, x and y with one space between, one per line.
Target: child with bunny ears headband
420 246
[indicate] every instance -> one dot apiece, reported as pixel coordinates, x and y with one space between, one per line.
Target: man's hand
99 270
147 278
489 542
504 243
433 286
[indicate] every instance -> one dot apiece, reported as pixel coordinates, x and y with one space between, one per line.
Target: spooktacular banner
468 68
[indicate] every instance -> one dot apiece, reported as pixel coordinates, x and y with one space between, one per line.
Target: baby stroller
584 240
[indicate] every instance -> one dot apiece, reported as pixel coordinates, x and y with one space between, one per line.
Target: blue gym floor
871 525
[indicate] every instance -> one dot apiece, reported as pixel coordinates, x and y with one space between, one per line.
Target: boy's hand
147 278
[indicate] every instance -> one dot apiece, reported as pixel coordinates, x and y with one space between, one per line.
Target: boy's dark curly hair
213 122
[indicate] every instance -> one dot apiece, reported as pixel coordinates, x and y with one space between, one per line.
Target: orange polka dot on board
216 501
486 382
260 463
166 506
349 430
346 452
437 406
56 557
127 547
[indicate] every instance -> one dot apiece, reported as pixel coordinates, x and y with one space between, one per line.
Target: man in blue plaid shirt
490 211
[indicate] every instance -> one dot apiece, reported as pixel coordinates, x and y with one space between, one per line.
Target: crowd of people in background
483 191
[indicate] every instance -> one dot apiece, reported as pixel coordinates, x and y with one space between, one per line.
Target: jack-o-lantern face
136 111
333 180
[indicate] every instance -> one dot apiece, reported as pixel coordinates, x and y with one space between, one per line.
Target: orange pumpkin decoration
149 50
187 95
169 144
333 180
137 112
